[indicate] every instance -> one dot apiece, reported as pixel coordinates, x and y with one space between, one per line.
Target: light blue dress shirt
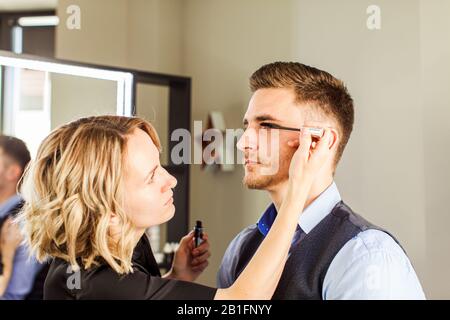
25 268
369 266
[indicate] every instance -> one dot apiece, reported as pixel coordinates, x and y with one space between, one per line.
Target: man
20 275
335 253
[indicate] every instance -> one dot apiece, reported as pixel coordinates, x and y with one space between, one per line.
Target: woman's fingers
188 237
205 236
322 148
201 267
310 155
204 245
293 143
305 144
201 254
187 241
201 258
300 157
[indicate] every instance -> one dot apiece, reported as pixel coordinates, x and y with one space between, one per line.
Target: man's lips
248 161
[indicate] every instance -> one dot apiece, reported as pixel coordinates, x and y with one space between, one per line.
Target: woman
97 184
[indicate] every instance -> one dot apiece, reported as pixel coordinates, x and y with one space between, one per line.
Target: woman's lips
170 201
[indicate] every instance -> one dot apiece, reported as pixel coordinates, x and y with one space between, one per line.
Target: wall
381 175
67 104
102 38
377 173
225 41
150 40
435 100
392 169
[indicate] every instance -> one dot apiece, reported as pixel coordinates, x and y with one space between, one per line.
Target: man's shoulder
369 246
243 245
372 242
372 257
246 235
249 236
251 229
235 256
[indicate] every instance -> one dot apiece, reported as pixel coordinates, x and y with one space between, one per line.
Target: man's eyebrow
263 117
150 173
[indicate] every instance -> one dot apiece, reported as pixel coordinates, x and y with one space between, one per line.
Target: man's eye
266 125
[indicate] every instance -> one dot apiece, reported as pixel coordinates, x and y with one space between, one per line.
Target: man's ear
334 139
13 172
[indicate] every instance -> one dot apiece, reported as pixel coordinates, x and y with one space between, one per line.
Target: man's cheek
271 163
285 156
268 150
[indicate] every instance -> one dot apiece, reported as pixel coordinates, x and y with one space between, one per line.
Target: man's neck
278 193
6 194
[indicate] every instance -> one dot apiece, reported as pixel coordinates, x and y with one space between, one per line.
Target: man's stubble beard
261 177
254 179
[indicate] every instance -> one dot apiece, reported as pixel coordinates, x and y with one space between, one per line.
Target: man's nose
248 140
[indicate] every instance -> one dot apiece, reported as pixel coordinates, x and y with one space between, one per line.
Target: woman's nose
170 182
173 181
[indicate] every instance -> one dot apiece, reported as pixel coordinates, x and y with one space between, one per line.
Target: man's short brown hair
16 149
328 94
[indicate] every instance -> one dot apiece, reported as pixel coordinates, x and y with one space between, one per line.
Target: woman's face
148 186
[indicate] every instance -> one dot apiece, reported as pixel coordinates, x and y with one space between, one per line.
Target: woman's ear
114 220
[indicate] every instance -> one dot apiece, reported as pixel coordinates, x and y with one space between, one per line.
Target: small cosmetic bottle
198 233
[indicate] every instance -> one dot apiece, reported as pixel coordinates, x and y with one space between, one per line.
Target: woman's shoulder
99 281
103 283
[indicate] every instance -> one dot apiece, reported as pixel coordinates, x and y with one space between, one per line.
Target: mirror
37 95
152 104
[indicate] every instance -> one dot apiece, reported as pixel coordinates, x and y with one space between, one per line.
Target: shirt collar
311 216
319 208
6 206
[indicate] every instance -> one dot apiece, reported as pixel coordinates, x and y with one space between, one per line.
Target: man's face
9 170
2 169
266 151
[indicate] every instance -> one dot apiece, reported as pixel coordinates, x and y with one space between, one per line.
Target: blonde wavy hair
72 188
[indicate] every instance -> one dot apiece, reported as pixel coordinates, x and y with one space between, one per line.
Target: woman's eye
152 177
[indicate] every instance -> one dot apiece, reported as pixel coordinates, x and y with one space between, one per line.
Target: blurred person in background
21 276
